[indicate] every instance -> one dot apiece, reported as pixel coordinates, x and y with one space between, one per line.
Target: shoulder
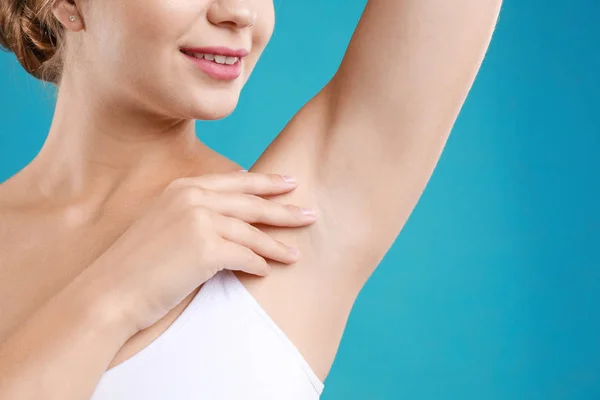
14 191
311 299
13 215
9 193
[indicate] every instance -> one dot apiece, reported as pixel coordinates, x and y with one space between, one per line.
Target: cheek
262 31
266 14
131 34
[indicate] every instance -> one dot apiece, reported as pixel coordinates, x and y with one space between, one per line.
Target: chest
225 347
39 257
41 253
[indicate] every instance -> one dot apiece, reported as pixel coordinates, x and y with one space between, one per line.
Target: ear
67 12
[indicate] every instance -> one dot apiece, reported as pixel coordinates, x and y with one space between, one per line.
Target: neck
95 147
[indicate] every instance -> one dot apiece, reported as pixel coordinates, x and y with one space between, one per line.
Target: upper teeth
217 59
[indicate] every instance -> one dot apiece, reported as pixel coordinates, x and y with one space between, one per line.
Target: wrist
101 307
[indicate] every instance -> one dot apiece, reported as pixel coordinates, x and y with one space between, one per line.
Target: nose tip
232 13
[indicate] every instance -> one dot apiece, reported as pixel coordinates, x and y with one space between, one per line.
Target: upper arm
363 150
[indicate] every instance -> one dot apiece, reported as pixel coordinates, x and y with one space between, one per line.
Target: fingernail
290 180
294 252
243 170
308 212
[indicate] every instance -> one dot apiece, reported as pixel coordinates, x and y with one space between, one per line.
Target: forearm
62 351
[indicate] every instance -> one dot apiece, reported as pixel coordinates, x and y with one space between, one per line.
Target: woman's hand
197 227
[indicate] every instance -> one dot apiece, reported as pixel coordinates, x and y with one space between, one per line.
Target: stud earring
72 18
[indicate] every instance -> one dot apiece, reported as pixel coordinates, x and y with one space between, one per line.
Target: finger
256 210
241 182
251 208
240 258
244 234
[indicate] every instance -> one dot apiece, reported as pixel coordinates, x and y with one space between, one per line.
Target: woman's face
181 58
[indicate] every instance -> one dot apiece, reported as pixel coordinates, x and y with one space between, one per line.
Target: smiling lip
219 51
222 72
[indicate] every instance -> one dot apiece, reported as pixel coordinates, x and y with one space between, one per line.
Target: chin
211 109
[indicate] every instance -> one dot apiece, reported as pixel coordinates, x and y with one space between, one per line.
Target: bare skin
66 242
362 152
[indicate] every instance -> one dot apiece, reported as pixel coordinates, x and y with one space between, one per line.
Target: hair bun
25 33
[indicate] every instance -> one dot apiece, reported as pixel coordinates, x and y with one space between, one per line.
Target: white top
223 346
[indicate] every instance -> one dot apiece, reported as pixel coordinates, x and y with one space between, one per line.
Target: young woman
119 241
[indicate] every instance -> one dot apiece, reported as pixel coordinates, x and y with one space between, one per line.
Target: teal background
492 291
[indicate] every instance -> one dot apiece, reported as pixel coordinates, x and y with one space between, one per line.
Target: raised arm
364 149
393 103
